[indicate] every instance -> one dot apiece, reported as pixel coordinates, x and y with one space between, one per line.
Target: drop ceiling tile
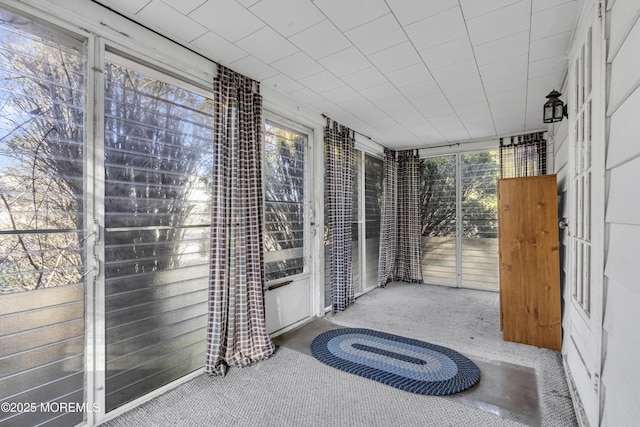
396 58
345 62
126 7
360 107
254 68
544 84
365 79
463 73
473 8
377 93
185 6
437 29
555 45
282 83
547 66
248 3
504 22
306 95
410 11
166 20
341 94
227 18
320 40
287 17
474 112
395 103
213 46
298 66
555 20
449 53
377 35
350 14
505 84
267 45
322 82
540 5
426 88
502 49
502 69
408 76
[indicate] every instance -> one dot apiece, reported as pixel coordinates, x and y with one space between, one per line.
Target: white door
586 223
287 249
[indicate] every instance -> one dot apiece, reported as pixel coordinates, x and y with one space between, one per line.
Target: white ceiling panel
503 22
409 76
126 7
353 13
267 45
377 35
365 79
322 82
547 47
502 69
320 40
547 66
502 49
396 58
298 66
226 18
212 45
437 29
447 54
474 8
160 16
184 6
254 68
282 83
345 62
287 17
408 72
554 20
410 11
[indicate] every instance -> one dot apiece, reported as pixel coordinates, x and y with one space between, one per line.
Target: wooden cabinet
529 261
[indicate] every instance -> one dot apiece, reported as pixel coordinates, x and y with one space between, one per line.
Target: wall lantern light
554 108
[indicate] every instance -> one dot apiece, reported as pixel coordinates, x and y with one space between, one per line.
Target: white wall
621 346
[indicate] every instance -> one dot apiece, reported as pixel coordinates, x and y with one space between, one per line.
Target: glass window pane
42 220
438 210
158 164
480 268
284 184
372 209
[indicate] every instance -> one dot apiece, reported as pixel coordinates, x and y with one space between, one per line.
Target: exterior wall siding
621 343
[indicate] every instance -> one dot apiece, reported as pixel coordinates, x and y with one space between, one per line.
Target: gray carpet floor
294 389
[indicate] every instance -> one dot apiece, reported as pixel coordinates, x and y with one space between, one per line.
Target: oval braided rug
408 364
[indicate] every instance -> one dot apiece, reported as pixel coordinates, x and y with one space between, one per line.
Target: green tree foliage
479 204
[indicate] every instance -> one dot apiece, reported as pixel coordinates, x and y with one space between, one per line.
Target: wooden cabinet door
529 261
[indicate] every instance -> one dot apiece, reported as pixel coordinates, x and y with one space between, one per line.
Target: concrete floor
507 390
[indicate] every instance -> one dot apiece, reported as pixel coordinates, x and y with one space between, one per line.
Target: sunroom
183 182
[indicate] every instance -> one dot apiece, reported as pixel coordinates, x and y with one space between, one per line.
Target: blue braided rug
404 363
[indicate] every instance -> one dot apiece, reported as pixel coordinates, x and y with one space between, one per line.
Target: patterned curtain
237 334
524 155
400 233
388 219
339 157
409 252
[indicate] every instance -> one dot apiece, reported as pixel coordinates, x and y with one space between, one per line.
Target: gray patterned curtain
388 219
523 155
400 234
339 157
409 252
237 334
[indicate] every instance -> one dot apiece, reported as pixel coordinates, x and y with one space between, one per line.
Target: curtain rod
355 131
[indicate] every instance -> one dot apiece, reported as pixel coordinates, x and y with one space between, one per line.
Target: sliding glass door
459 220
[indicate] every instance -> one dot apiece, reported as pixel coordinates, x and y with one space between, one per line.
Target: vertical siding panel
620 372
